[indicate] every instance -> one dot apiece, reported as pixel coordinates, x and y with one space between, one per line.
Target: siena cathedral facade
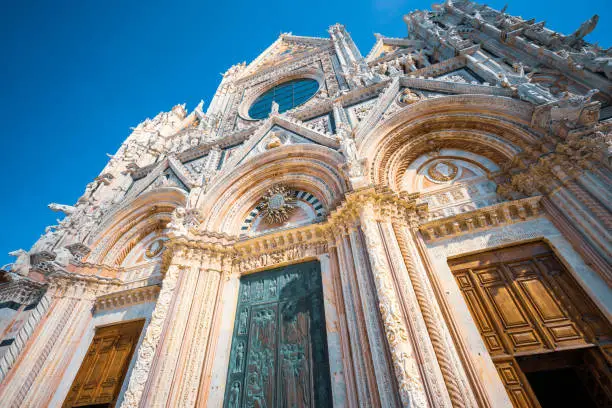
427 225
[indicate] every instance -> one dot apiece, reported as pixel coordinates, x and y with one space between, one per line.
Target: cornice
23 291
65 276
505 213
221 252
287 66
362 94
299 39
441 68
431 84
125 298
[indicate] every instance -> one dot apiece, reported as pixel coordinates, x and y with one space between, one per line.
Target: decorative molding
441 85
23 291
508 212
407 373
146 351
23 335
124 298
277 248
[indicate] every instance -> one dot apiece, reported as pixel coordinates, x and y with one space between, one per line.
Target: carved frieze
503 213
126 298
23 291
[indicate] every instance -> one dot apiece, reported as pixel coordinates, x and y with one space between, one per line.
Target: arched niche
304 169
496 128
128 238
451 181
301 208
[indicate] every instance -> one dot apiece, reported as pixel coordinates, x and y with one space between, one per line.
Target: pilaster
148 348
405 363
366 384
383 370
417 289
42 363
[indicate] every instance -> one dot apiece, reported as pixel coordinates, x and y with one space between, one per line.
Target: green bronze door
279 347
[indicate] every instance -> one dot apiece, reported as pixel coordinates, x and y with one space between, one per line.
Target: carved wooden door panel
279 348
525 302
103 370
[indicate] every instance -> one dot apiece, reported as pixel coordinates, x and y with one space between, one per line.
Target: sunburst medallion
277 204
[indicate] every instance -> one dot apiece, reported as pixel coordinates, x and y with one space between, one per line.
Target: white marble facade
447 142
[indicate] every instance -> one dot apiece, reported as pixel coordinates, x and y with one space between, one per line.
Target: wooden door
279 348
103 370
525 302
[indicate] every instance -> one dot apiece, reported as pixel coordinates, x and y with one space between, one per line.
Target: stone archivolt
530 131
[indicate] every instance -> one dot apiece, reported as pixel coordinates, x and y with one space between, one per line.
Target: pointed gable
286 48
387 47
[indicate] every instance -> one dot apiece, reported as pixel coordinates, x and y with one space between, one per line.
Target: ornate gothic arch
490 126
133 222
309 168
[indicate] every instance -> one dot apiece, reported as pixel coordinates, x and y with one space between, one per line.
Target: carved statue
409 63
519 69
234 400
21 265
177 222
585 28
348 146
239 357
66 209
234 69
534 93
569 108
503 80
382 68
274 109
408 97
592 58
64 256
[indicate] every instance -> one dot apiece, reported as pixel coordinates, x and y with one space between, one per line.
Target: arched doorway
549 341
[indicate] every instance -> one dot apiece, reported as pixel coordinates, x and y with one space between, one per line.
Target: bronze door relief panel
279 346
525 303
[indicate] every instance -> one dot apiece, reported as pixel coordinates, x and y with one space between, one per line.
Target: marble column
13 351
165 364
387 388
350 383
419 338
214 393
334 334
196 339
587 213
147 350
417 293
174 379
42 363
365 381
405 362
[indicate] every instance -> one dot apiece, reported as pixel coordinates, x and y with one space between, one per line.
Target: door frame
479 365
228 309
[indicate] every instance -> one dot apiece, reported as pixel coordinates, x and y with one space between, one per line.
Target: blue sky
75 75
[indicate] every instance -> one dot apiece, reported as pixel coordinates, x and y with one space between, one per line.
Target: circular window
288 95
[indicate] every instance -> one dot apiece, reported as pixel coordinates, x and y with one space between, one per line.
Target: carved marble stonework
342 250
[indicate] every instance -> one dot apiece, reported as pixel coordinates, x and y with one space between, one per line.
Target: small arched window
288 95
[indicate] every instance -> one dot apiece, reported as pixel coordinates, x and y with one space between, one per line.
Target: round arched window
288 95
